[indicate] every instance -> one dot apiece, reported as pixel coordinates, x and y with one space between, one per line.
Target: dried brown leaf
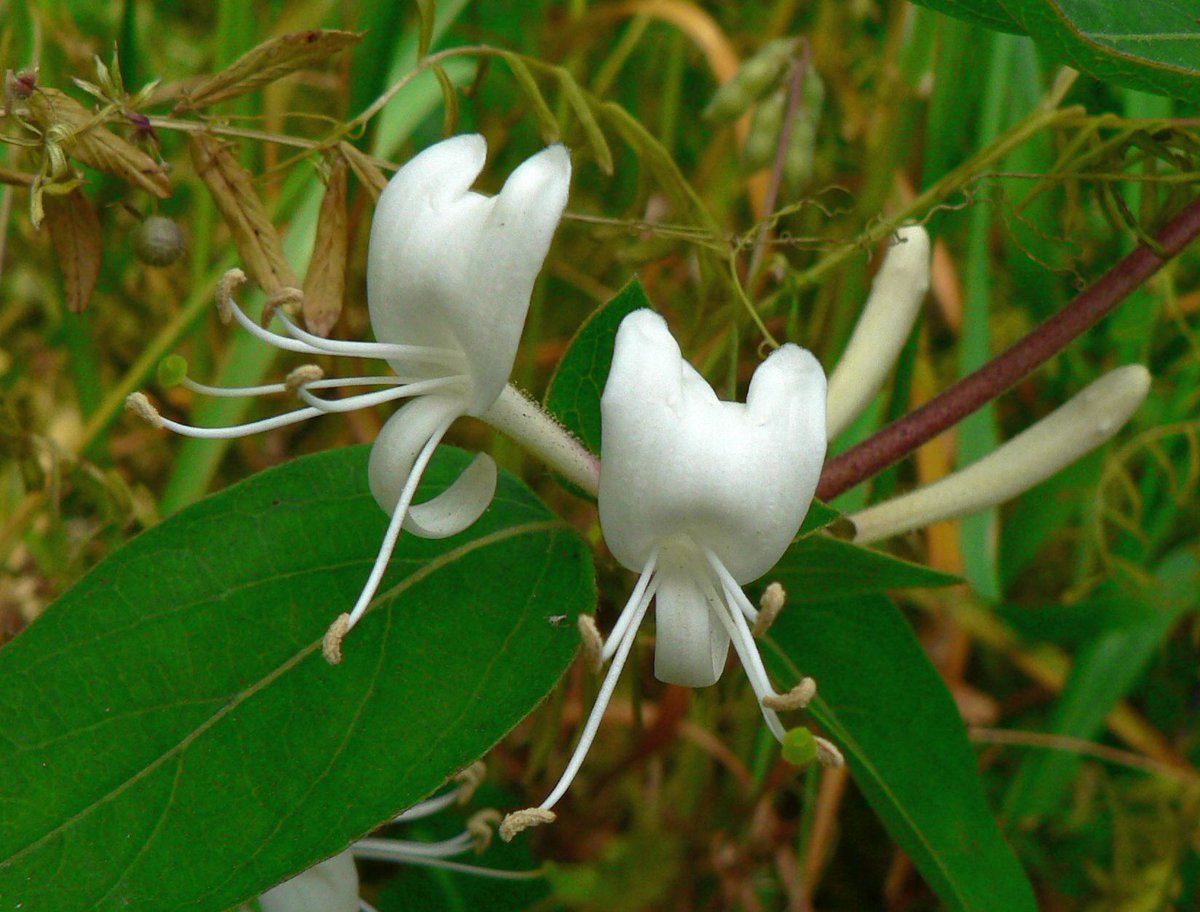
75 234
232 188
82 134
364 169
325 281
271 60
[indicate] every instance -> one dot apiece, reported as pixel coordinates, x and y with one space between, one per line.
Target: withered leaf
325 281
364 168
75 234
232 188
269 61
84 137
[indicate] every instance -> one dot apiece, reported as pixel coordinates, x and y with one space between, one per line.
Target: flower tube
449 277
698 496
1081 424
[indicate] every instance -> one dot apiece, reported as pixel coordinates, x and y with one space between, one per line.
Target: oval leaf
885 706
173 738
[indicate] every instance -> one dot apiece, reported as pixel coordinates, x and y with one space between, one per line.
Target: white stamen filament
397 522
631 609
300 341
241 430
403 849
602 700
1078 426
366 400
391 351
428 807
268 389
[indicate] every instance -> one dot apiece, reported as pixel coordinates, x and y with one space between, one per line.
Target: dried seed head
517 821
158 241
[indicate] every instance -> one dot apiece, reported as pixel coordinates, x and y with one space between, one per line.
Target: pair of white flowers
698 496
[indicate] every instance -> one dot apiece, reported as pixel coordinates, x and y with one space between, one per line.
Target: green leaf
1103 673
173 738
824 568
819 516
989 13
886 707
578 381
1154 47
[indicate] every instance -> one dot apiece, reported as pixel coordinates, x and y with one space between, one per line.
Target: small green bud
753 79
171 371
799 747
158 241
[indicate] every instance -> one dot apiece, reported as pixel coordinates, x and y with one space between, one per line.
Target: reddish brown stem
949 407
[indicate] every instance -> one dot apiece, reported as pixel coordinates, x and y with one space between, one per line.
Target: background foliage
1069 653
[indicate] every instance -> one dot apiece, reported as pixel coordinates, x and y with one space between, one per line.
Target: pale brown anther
140 405
517 821
302 376
796 698
769 607
226 286
331 644
827 753
470 779
592 641
482 825
287 298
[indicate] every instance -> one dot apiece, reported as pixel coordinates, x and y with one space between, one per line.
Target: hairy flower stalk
332 885
449 277
1077 427
698 496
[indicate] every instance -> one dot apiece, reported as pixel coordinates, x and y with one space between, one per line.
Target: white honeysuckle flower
882 328
332 885
698 496
1081 424
449 277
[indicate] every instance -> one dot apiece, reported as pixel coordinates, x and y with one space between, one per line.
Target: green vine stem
949 407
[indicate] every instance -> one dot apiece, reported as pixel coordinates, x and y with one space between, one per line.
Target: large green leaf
989 13
884 704
1153 46
823 568
172 737
578 381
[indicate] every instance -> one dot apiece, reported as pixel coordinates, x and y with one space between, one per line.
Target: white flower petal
735 478
457 507
400 440
690 643
331 886
450 268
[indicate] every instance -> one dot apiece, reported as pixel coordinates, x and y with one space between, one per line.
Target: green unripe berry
753 79
158 241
